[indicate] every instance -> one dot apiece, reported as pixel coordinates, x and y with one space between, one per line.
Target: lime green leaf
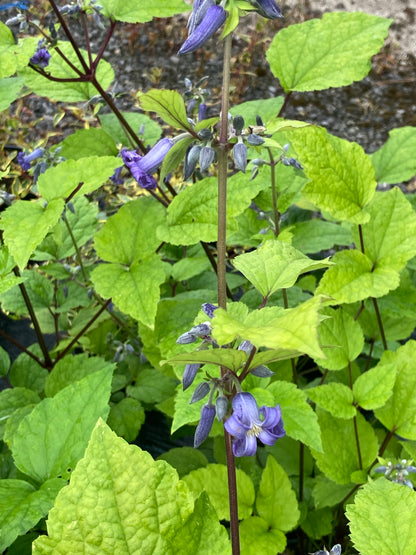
131 11
257 536
167 104
202 533
84 175
394 162
7 277
193 214
38 287
126 418
186 268
353 278
152 386
382 519
213 479
77 91
229 358
399 413
130 234
373 388
318 235
336 398
340 457
267 109
135 289
318 523
22 506
13 399
275 265
4 362
88 142
58 428
83 222
341 339
333 51
112 126
327 493
184 459
299 419
13 422
274 327
7 62
276 501
138 503
23 216
71 369
342 175
26 372
390 234
9 90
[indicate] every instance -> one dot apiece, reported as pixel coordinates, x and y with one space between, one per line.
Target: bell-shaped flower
211 22
267 8
40 58
142 167
25 159
248 422
199 9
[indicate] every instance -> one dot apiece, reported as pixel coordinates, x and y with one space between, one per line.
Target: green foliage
394 162
132 12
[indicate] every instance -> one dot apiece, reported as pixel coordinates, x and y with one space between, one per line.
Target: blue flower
40 58
211 22
248 422
142 167
25 159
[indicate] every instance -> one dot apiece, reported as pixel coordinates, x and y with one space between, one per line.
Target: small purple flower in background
246 425
142 167
210 22
267 8
25 159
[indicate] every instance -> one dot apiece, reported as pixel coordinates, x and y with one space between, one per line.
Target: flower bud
205 134
189 374
238 124
262 372
221 407
254 140
191 161
246 346
209 309
205 424
259 121
206 157
211 22
240 156
202 111
200 392
199 9
267 8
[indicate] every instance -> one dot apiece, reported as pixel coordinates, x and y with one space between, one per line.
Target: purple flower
246 425
115 178
202 111
25 159
205 424
211 22
141 167
209 309
267 8
199 9
40 58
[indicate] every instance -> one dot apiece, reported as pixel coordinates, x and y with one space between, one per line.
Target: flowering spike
205 424
211 22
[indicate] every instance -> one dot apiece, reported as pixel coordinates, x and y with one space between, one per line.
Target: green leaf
71 369
317 235
152 386
9 90
193 214
382 519
327 493
373 388
112 126
184 459
257 537
38 287
267 109
138 503
336 398
135 289
276 501
299 419
4 362
394 162
83 222
272 327
229 358
7 62
353 278
130 234
187 267
213 480
175 156
26 372
340 457
23 216
131 11
333 51
58 428
84 175
167 104
398 414
76 91
126 418
22 506
318 523
275 265
341 339
342 175
13 399
88 142
202 533
7 277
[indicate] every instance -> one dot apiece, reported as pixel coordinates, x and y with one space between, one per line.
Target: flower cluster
142 167
397 472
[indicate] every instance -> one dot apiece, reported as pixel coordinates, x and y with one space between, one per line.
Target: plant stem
380 323
22 347
35 322
232 495
357 439
274 193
